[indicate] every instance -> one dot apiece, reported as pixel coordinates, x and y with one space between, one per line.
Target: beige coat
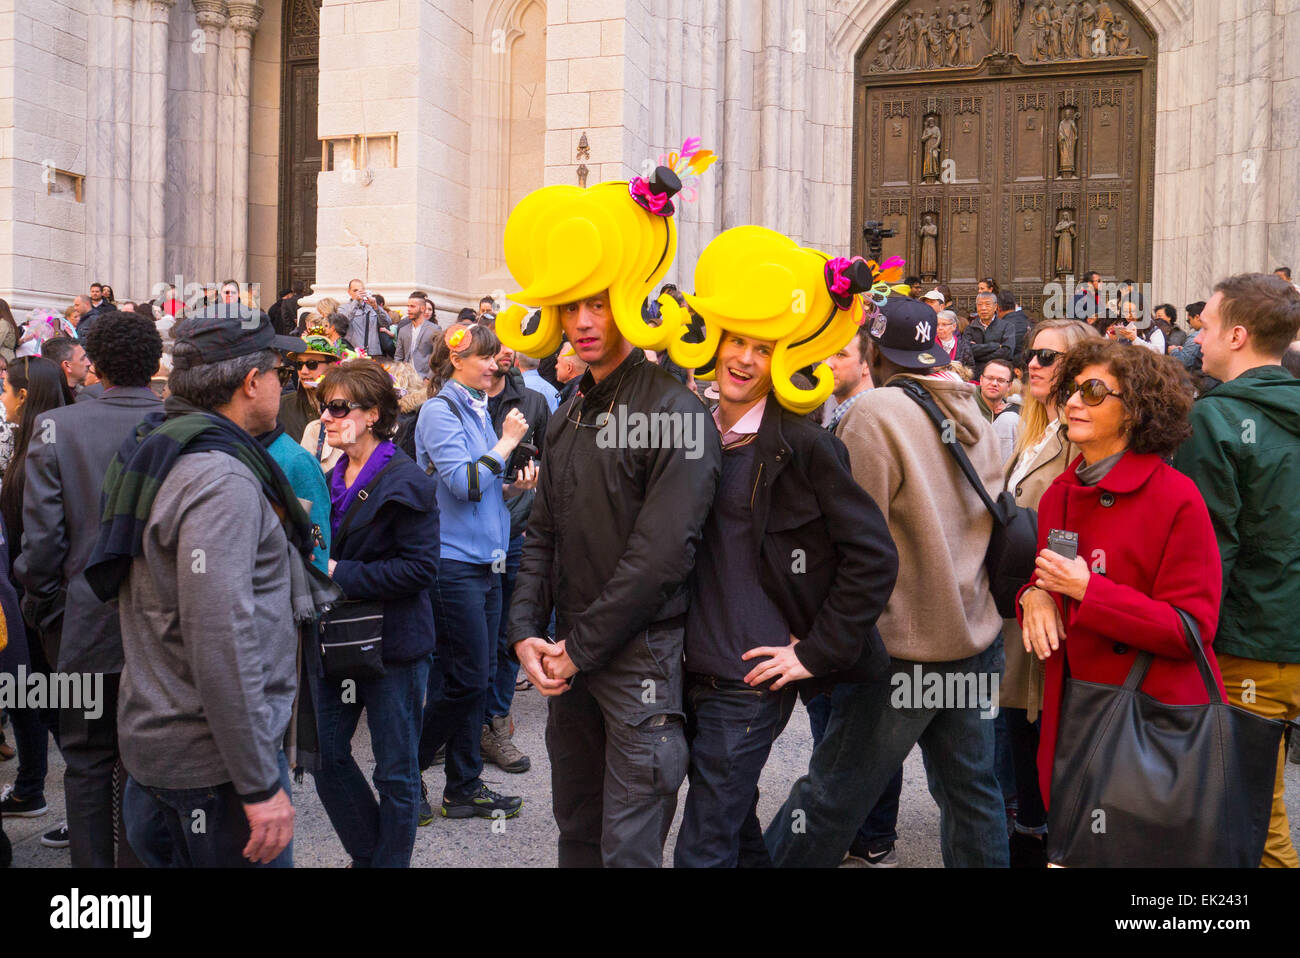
941 609
1022 679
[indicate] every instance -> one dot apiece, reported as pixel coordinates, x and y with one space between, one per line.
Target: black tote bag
1139 783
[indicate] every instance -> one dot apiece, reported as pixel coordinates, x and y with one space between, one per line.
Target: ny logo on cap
923 332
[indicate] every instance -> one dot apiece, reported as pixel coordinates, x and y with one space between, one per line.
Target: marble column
211 18
244 18
99 125
160 13
120 144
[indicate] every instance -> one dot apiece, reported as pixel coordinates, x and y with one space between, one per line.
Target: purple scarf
341 494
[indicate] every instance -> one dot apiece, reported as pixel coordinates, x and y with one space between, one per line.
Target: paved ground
529 839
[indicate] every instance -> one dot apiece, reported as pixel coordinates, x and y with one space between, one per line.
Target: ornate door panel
299 146
1005 145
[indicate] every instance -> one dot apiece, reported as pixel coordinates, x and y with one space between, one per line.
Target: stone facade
139 139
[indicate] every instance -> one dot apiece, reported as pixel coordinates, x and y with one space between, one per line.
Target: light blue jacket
303 472
475 523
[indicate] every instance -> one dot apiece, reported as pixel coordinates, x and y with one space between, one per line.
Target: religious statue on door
1067 138
1006 20
930 138
1065 233
929 231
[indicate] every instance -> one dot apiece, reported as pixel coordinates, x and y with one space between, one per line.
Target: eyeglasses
1093 392
285 373
1045 357
339 408
995 381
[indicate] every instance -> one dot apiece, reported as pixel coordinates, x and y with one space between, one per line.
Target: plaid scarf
144 461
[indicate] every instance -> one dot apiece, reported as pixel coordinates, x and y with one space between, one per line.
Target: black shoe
56 837
426 810
13 806
1028 851
484 803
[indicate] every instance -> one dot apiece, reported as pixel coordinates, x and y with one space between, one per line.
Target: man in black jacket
506 393
988 337
611 541
802 604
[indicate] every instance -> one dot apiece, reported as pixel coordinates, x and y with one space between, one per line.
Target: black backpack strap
361 497
926 402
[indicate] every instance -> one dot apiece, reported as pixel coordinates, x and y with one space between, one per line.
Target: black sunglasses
1093 392
338 408
285 373
1045 357
314 364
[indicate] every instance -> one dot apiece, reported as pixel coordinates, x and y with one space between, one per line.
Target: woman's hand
1041 625
332 564
515 427
527 479
1063 576
783 665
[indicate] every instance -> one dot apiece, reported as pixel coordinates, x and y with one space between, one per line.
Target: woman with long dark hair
32 387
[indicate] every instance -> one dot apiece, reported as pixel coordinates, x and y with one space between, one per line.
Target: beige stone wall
264 152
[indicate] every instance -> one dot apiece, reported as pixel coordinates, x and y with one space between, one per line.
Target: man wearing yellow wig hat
628 473
797 561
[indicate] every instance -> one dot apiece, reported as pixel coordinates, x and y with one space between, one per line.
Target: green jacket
1244 455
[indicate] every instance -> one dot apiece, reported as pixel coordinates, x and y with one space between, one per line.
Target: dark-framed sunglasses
338 408
285 373
314 364
1093 392
1045 357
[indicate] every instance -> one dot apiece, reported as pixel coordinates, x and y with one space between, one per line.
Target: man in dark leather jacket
610 543
797 560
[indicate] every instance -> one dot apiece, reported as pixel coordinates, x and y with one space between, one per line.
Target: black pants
1024 756
618 754
92 793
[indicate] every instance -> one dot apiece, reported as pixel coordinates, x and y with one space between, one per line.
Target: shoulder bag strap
926 402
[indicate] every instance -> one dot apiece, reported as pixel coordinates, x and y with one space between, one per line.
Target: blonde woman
318 318
1042 452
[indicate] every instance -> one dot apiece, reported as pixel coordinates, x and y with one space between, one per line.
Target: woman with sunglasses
384 546
300 409
1041 453
1145 543
454 435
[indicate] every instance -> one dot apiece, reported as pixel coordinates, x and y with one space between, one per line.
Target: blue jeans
880 830
866 741
377 834
163 825
467 611
32 729
503 671
730 729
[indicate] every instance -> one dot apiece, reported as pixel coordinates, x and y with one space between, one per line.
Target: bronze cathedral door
1006 139
300 153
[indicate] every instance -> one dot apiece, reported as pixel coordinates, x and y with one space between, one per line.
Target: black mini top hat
662 182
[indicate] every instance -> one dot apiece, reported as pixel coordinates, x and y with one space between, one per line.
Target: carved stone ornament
948 35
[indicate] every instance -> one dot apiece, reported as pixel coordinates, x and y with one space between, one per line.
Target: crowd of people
256 526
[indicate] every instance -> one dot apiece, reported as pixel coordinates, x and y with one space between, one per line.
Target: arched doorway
1009 139
300 150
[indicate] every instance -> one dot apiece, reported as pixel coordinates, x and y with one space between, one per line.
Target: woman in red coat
1146 545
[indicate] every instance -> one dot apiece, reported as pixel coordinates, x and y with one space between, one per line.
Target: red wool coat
1147 526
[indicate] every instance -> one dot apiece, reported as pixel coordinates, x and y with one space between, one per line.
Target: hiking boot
13 806
426 810
483 802
498 748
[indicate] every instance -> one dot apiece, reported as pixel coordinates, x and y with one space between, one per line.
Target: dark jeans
377 834
467 611
32 730
91 751
503 671
618 754
1023 735
880 830
866 741
203 827
730 728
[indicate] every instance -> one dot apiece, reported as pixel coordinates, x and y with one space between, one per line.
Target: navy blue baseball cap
904 331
